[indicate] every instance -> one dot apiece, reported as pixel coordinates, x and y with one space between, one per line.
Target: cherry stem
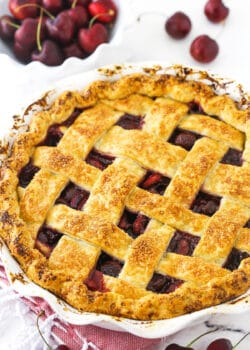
109 13
74 4
38 31
234 347
40 7
38 316
200 336
14 25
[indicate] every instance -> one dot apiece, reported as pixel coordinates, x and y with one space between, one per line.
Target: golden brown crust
162 100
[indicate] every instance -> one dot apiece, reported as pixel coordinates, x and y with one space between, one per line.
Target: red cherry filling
54 133
95 281
247 224
27 173
73 196
195 108
184 138
183 243
100 161
108 265
205 203
133 223
154 182
163 284
233 157
129 122
234 259
47 239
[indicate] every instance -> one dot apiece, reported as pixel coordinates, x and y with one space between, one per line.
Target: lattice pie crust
132 197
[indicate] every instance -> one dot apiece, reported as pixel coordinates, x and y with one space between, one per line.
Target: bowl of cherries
51 31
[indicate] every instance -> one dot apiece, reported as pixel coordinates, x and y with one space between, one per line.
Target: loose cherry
22 9
62 28
178 25
53 6
220 344
216 11
104 10
204 49
62 347
79 16
90 38
50 54
8 26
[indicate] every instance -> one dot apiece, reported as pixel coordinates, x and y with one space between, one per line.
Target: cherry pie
132 197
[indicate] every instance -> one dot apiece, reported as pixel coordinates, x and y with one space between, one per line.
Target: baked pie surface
132 197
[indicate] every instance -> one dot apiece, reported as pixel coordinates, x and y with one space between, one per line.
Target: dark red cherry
21 12
104 10
204 49
79 16
73 50
21 53
53 6
177 347
78 2
89 39
62 347
51 54
26 34
220 344
178 25
62 28
8 26
185 139
216 11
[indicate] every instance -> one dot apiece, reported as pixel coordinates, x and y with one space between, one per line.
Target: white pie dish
152 329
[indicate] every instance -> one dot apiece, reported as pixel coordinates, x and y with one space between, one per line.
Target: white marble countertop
143 38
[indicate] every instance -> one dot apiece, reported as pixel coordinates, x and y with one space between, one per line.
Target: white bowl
150 329
115 40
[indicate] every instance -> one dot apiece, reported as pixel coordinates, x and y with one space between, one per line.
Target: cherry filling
205 203
163 284
195 108
247 224
54 133
70 120
233 157
184 138
133 223
234 259
183 243
108 265
73 196
98 160
47 239
27 173
129 122
154 182
95 281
